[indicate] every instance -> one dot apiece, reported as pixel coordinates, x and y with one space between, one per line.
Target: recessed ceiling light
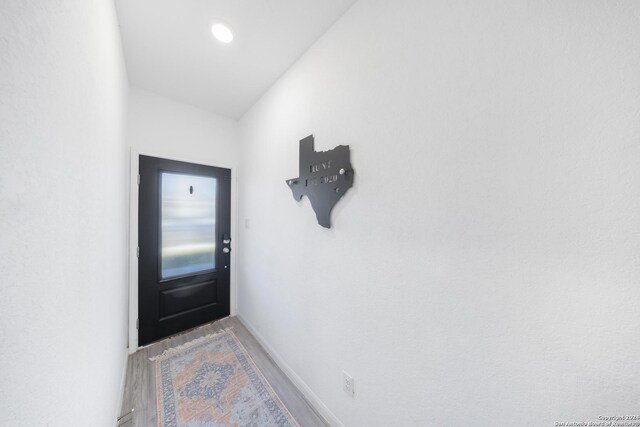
221 32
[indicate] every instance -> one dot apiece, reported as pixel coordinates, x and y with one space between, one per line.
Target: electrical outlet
348 385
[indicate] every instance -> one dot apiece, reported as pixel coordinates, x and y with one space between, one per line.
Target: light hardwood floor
140 387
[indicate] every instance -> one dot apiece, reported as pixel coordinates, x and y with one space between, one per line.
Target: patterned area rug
213 381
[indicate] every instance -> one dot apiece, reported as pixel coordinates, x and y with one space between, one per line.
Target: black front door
184 226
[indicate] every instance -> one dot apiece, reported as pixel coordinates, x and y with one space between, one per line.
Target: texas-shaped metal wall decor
324 178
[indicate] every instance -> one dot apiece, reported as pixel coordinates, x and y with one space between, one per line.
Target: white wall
63 213
162 127
485 266
165 127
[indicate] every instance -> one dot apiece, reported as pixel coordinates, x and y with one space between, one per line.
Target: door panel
175 301
183 225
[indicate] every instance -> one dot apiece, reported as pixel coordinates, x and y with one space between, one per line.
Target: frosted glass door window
188 224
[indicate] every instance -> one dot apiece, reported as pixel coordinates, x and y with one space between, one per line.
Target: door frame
133 238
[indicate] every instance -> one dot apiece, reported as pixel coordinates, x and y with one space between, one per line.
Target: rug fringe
173 350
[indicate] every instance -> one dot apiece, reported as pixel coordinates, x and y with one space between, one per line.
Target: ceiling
169 48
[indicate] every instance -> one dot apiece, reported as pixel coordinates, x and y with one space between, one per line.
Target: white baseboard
123 380
311 397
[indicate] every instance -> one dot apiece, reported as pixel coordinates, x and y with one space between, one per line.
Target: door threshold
186 331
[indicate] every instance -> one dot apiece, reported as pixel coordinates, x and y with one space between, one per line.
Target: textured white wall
63 213
162 127
485 267
165 127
